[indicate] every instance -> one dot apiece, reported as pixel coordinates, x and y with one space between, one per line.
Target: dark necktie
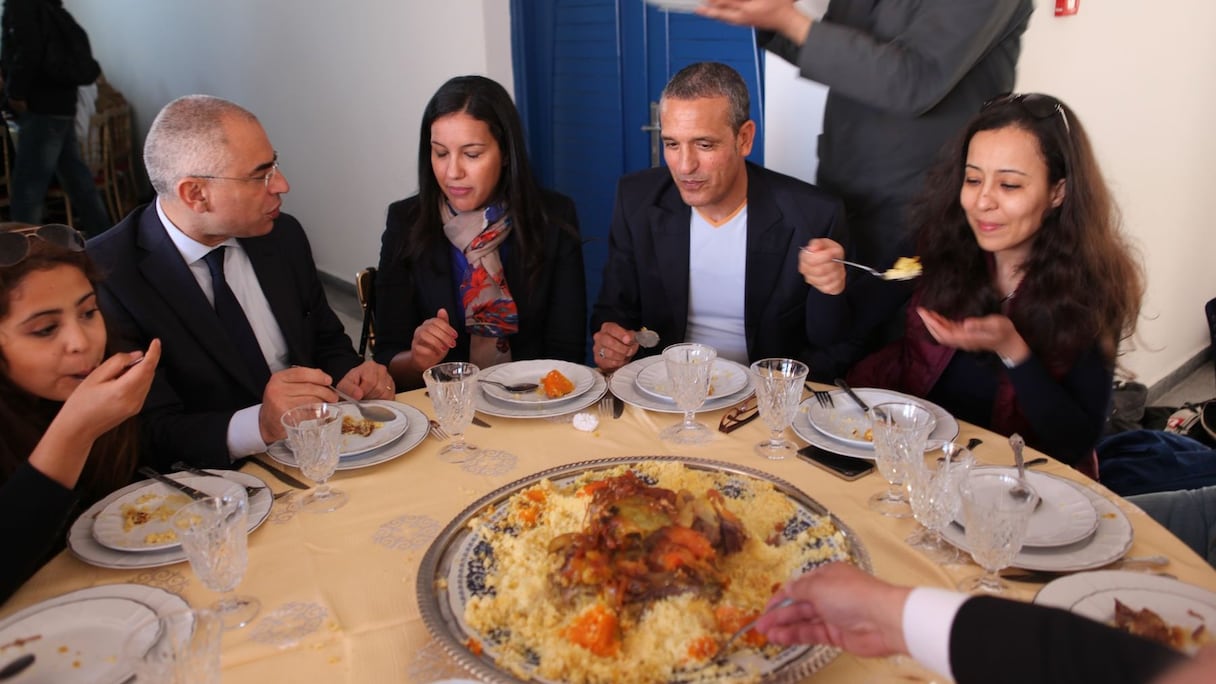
232 317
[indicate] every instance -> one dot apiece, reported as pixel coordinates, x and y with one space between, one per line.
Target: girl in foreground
66 434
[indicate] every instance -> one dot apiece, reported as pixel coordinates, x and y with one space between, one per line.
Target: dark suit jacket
148 292
646 276
552 311
1046 645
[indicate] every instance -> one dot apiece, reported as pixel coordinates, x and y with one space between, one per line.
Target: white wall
339 86
1141 78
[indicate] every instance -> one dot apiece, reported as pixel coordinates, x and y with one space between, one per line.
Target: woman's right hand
112 393
432 341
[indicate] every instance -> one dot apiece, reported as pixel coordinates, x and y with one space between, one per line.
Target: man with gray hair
714 249
226 281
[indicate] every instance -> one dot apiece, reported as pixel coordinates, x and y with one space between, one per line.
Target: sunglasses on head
1039 106
15 245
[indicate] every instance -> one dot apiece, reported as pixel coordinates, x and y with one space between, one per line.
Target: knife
278 474
480 423
852 395
618 406
181 487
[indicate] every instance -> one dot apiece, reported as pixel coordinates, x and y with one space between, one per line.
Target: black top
34 514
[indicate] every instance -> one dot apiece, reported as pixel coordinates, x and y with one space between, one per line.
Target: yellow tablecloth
338 590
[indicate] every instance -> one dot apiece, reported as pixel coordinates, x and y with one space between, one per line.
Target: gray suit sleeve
910 72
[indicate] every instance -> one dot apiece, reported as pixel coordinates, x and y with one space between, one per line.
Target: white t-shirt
717 262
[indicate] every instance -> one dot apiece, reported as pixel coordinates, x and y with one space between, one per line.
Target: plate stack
131 528
1075 528
644 384
390 439
843 428
589 386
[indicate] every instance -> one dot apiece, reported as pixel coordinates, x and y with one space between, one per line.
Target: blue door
588 74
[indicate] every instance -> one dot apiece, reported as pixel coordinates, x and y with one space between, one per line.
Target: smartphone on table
845 467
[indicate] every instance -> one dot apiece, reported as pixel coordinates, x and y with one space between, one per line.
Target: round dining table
338 590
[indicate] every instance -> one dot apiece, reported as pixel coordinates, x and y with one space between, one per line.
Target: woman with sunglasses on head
1029 284
66 438
481 265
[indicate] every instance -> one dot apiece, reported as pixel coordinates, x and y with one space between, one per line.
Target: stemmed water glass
778 393
314 432
935 498
178 647
996 515
688 370
900 430
453 388
214 532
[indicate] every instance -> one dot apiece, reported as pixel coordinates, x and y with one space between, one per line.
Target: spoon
370 412
1019 491
889 274
517 387
787 601
17 666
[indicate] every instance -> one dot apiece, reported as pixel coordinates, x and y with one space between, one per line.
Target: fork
250 491
438 432
824 398
721 656
605 406
891 274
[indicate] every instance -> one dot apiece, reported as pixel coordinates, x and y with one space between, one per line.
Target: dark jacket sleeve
619 300
22 47
908 72
34 510
397 313
1066 415
565 333
995 641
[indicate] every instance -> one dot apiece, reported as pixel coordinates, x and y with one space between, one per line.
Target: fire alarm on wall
1066 8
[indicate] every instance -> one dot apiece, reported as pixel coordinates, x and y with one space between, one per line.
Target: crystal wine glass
688 370
778 393
178 647
996 516
214 532
934 493
314 432
453 388
900 430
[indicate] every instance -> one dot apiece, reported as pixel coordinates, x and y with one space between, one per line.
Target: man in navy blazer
716 250
177 268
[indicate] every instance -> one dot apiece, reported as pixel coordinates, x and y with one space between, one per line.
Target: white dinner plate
82 542
534 371
725 378
492 407
158 601
160 502
1065 517
81 640
389 430
945 430
624 386
844 421
1093 594
676 5
1108 544
415 431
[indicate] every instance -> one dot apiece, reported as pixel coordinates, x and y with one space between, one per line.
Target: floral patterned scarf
490 314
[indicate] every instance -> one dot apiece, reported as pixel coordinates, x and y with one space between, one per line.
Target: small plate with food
556 381
360 435
1168 611
843 428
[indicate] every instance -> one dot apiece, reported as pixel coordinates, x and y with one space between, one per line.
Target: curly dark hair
25 417
1082 281
487 101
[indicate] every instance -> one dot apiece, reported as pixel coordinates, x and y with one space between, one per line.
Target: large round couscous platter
508 590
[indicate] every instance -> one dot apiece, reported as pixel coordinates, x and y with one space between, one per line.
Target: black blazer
148 292
646 276
995 641
552 311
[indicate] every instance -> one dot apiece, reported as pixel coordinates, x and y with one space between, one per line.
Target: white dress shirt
927 620
244 432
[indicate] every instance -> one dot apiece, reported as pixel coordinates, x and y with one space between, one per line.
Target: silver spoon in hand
517 387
